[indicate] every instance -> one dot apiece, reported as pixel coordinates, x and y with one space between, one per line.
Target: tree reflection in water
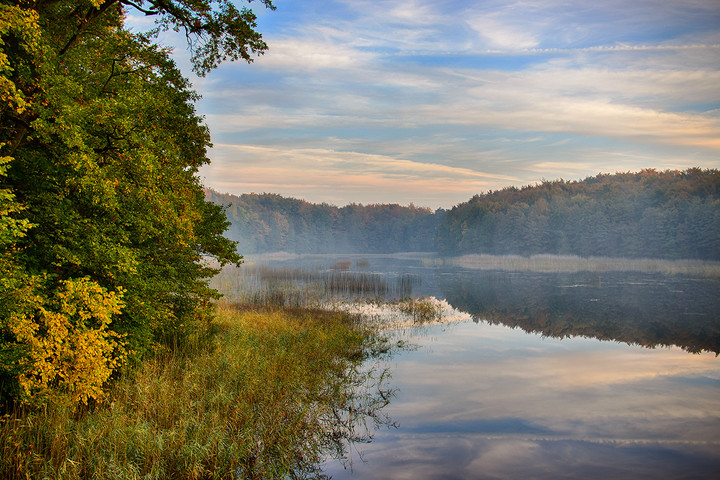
642 309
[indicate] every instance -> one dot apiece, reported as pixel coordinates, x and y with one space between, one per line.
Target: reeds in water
422 310
300 287
571 263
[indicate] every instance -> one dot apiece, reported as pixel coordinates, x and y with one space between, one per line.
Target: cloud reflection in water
488 401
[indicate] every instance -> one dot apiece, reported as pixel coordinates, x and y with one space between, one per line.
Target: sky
431 102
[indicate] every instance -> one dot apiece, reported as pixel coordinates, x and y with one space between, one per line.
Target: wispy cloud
373 178
452 92
500 33
312 55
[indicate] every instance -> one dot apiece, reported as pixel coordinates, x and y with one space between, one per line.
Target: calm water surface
487 401
553 376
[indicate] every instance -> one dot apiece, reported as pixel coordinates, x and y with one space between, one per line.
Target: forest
103 220
116 360
658 214
272 223
670 214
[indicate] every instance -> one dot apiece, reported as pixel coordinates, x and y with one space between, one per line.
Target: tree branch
91 15
139 8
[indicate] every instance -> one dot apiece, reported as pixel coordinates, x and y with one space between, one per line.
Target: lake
545 374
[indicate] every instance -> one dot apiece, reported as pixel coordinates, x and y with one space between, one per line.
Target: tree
105 227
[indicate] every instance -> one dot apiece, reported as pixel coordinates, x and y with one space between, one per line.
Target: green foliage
670 214
17 289
100 146
216 29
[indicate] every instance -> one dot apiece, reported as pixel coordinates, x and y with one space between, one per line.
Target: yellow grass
260 393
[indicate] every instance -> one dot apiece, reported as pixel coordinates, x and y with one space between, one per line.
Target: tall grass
422 310
302 287
261 393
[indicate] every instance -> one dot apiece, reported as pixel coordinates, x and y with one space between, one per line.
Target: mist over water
579 374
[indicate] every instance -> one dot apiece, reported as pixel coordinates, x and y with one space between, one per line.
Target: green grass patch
261 393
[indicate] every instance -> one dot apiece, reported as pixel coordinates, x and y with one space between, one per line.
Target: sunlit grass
422 310
261 393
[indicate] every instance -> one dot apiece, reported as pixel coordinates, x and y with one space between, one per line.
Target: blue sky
431 102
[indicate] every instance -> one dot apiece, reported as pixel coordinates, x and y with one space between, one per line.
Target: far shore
571 263
549 263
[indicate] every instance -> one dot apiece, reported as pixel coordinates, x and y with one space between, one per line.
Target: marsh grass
422 310
315 288
260 393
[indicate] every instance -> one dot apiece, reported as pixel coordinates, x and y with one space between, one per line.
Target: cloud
630 104
500 34
313 55
597 88
371 178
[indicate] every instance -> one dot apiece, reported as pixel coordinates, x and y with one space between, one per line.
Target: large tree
105 235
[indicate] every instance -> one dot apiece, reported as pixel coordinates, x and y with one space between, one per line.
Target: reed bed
261 393
302 287
422 310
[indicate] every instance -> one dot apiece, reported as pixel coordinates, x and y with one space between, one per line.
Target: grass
304 287
422 310
261 393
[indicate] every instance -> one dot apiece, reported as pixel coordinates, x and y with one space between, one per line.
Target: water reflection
532 388
487 401
643 309
648 309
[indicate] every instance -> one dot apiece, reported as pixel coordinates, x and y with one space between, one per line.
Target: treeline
272 223
670 214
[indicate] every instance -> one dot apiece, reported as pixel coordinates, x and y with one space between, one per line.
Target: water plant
311 287
422 310
572 263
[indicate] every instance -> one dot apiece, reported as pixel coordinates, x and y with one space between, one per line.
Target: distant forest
670 214
272 223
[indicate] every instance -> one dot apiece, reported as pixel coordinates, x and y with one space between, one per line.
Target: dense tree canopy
104 223
671 214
